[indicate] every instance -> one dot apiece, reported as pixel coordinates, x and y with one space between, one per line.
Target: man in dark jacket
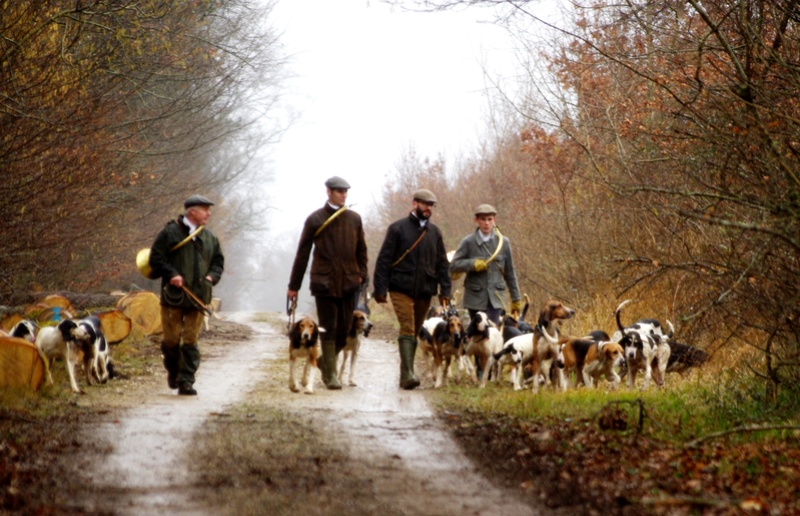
337 270
188 259
412 266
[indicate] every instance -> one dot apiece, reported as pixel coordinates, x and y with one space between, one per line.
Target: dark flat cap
337 182
197 200
424 195
485 209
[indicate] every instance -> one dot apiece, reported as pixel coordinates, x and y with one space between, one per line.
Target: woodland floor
362 450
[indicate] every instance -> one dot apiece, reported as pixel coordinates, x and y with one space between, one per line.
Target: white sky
369 82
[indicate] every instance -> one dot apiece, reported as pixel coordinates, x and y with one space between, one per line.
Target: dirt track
394 438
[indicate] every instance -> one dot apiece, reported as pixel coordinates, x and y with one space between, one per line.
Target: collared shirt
422 222
192 226
485 238
334 206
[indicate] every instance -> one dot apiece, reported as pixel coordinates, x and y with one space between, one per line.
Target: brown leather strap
415 244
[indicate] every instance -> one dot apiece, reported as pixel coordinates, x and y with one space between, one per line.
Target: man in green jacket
338 268
188 259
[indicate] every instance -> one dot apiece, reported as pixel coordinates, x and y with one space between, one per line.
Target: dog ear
294 334
315 335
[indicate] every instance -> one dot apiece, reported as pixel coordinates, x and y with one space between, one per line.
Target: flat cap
424 195
197 200
485 209
337 182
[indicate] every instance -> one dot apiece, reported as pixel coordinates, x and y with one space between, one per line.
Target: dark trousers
335 315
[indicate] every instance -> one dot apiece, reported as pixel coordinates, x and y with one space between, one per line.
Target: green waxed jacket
195 260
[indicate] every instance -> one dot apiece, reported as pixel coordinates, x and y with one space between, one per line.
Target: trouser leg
410 315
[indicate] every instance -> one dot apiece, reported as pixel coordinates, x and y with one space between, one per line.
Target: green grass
685 410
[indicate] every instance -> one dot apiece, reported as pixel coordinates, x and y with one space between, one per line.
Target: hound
25 330
603 360
304 343
66 340
483 341
645 345
441 338
360 326
574 353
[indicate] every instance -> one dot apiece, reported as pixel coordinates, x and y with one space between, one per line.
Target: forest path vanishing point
394 437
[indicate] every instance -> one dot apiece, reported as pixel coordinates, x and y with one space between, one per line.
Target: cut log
144 311
57 301
115 325
20 364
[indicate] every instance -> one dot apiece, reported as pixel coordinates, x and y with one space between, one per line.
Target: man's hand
444 301
479 265
380 298
516 306
176 281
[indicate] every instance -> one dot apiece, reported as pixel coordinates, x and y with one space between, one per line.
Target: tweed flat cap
424 195
485 209
337 182
197 200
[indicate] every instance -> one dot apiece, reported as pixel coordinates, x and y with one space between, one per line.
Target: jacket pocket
321 278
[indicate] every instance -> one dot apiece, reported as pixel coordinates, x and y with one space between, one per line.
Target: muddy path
393 436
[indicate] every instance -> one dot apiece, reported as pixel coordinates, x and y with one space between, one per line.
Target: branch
738 429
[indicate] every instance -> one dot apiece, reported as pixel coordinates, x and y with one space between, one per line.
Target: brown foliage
111 113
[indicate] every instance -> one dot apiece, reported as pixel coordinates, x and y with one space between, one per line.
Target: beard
421 215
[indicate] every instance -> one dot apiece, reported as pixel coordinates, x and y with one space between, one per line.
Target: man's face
485 222
199 215
337 196
423 209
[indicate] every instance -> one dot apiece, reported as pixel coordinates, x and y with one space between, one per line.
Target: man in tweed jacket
338 268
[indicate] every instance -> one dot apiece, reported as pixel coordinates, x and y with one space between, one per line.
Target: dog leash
291 306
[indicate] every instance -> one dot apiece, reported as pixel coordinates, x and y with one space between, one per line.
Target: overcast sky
369 81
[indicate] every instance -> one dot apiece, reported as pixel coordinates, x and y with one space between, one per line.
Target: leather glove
516 306
380 298
479 265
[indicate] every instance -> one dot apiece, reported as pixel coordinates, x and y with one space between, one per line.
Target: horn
143 263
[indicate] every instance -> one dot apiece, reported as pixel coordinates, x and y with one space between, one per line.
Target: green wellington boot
408 348
329 377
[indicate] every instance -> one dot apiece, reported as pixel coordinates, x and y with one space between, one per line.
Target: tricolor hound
304 343
360 326
645 346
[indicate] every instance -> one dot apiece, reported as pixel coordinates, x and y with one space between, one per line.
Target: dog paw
308 391
294 388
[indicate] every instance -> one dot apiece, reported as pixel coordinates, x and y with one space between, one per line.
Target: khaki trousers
410 312
180 324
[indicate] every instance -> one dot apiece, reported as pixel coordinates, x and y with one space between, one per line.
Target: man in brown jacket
338 268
